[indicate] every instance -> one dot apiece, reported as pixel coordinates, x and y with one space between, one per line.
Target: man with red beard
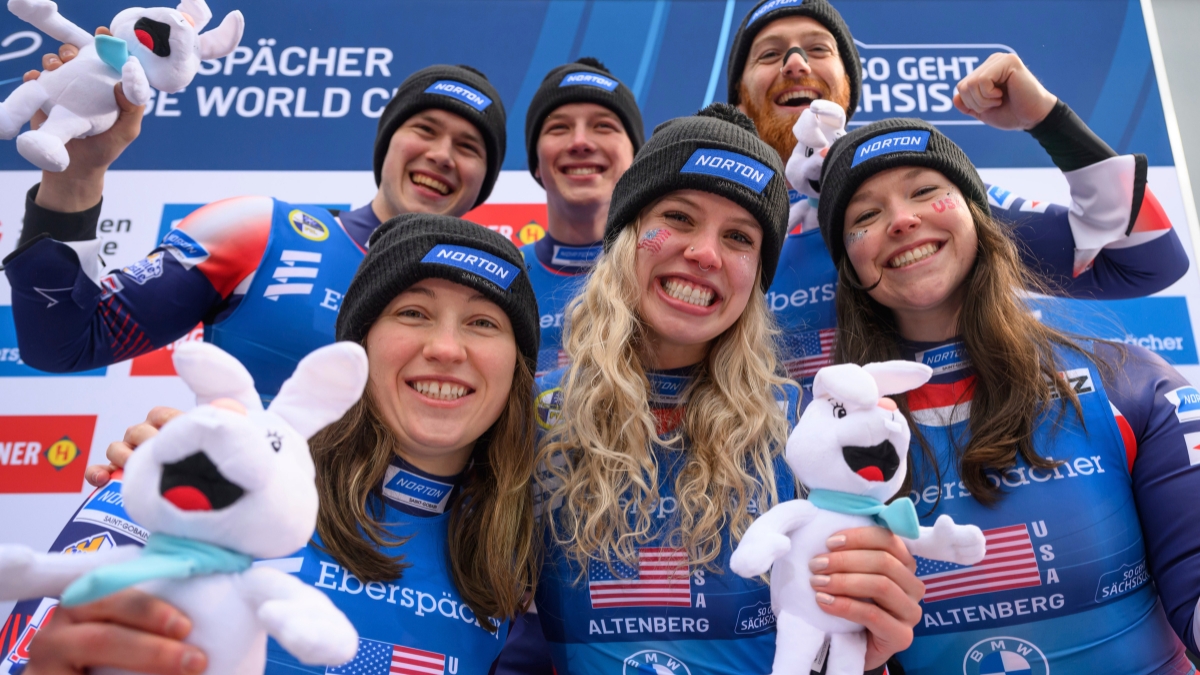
789 53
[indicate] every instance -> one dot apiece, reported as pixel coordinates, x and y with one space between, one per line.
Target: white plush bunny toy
850 449
822 123
150 47
219 486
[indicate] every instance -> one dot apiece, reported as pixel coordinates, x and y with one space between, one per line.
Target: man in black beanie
265 277
582 130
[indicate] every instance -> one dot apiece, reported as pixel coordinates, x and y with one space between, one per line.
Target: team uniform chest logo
653 662
1004 655
308 226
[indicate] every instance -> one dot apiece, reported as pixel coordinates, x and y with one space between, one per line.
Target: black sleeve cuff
1069 142
79 226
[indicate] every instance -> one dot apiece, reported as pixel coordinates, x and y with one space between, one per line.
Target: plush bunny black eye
808 152
839 410
276 440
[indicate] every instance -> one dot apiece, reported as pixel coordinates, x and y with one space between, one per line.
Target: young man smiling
439 148
788 53
582 130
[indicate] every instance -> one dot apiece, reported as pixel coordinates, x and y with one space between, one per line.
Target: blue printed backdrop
305 88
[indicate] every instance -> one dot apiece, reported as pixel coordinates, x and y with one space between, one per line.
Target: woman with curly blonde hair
663 434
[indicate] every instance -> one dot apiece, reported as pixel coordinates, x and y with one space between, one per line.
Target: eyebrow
418 290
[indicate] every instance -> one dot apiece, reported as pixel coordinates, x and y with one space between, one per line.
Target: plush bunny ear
848 383
895 377
326 383
222 40
212 374
198 10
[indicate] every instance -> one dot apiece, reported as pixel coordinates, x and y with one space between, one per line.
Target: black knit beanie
880 146
416 246
716 150
461 90
584 81
767 11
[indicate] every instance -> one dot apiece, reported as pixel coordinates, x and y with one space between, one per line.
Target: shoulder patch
549 407
1187 403
1000 198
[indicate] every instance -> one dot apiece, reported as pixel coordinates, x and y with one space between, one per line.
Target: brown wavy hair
1011 351
494 555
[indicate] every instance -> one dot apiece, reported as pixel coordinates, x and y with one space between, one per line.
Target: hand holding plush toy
822 123
149 47
850 449
217 487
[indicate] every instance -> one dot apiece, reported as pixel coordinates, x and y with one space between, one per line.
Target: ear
326 383
212 374
223 39
895 377
846 382
198 10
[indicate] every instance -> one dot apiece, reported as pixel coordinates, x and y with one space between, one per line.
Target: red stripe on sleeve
1151 216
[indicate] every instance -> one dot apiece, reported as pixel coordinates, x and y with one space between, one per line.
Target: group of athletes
665 384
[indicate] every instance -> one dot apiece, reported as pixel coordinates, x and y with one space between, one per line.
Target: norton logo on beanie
774 4
731 166
898 141
477 262
460 91
589 80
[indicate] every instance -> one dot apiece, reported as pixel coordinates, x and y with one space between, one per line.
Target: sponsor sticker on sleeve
1187 403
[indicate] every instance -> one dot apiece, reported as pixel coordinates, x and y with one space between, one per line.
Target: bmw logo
1005 655
653 662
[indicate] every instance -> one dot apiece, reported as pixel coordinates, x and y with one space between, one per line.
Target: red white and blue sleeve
1158 413
70 315
1114 241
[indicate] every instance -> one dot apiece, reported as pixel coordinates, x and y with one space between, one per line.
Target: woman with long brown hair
1072 454
425 533
664 433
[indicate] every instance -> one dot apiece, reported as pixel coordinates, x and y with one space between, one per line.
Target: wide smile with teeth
441 391
431 183
693 295
914 256
582 170
797 98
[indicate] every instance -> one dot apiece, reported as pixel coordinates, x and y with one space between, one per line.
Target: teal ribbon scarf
900 516
165 557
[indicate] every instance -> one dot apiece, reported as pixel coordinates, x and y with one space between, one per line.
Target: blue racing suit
557 272
1093 566
658 614
418 621
252 269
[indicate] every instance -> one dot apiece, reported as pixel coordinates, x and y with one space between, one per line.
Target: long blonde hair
597 462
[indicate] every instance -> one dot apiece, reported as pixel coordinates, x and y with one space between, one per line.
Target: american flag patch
661 579
809 352
382 658
1010 563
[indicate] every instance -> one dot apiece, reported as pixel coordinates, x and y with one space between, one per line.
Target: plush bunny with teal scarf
850 450
219 487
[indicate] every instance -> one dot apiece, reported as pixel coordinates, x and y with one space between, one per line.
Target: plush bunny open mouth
877 463
195 484
155 35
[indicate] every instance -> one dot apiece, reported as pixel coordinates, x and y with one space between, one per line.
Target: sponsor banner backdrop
293 113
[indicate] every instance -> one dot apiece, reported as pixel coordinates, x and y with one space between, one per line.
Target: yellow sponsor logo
99 542
531 233
549 407
307 226
62 453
